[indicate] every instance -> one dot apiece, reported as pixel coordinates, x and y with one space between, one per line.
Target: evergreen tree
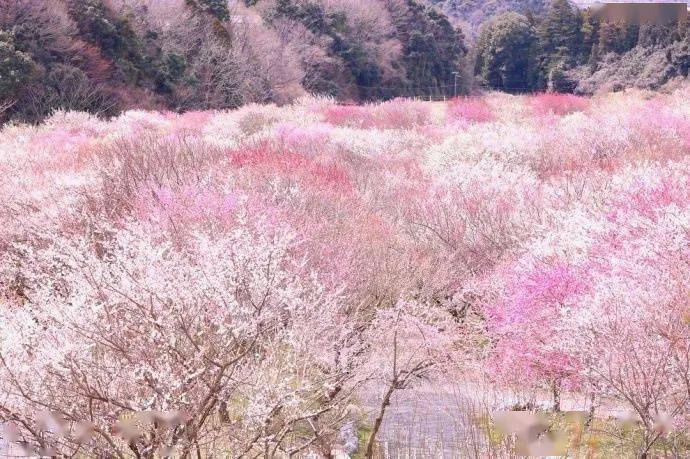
559 36
102 27
589 36
216 8
505 50
593 59
559 80
357 68
15 68
678 57
433 51
620 37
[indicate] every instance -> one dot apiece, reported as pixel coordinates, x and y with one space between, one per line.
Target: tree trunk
556 397
590 415
379 419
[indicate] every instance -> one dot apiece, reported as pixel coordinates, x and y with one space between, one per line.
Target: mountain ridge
471 14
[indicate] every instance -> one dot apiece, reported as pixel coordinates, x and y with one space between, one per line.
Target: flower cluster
257 269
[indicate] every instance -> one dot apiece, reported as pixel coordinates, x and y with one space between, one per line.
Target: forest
107 56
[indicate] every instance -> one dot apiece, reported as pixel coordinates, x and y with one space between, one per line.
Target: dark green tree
16 68
559 37
433 50
589 36
620 37
216 8
137 58
348 61
102 27
505 49
559 81
679 58
610 37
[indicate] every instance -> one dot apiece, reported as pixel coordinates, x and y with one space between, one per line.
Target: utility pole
455 84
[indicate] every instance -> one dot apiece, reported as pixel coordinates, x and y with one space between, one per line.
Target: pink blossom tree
151 346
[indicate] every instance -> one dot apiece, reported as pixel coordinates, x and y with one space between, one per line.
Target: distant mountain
472 13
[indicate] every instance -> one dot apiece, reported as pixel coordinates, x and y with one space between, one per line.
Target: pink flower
473 110
558 104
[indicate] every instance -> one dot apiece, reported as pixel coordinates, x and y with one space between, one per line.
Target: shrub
395 114
558 104
348 115
473 110
65 87
559 80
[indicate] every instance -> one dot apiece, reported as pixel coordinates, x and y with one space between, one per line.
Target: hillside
566 49
105 56
473 13
108 56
